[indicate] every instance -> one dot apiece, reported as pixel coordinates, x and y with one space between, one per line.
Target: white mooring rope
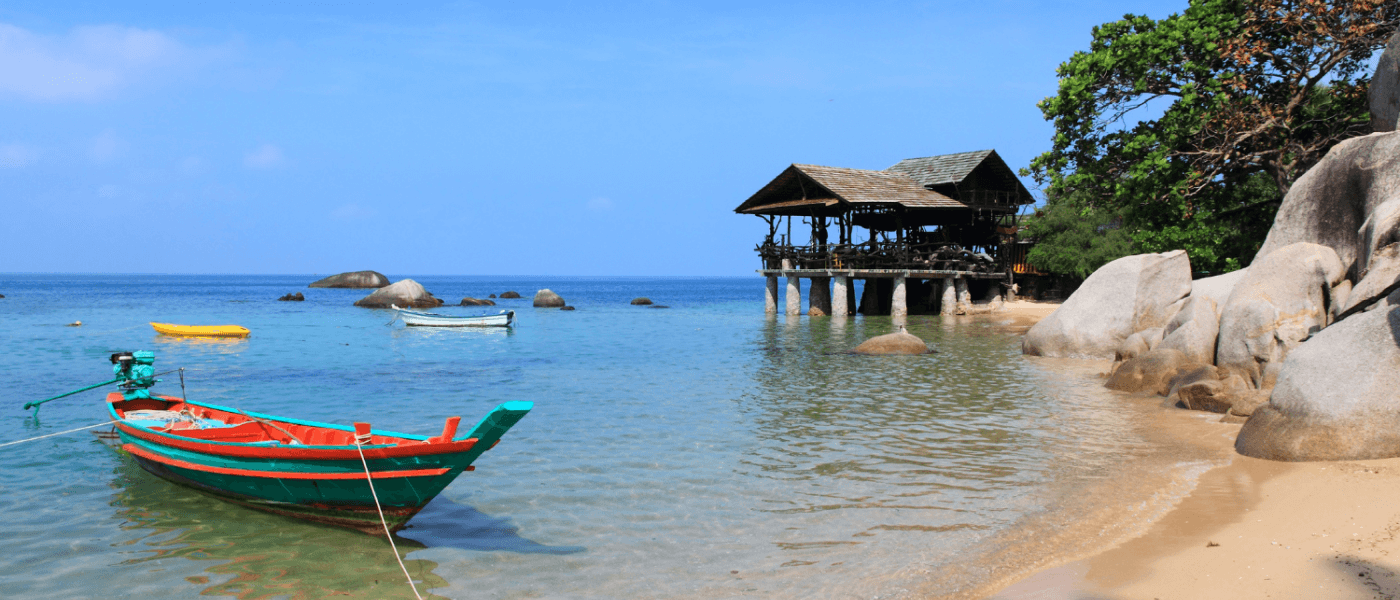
53 434
387 533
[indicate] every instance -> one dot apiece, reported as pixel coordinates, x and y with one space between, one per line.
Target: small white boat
506 318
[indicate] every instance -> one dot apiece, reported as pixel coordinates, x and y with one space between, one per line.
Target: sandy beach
1249 529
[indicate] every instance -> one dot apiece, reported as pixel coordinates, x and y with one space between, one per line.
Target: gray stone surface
1151 372
355 279
1123 297
1337 398
1382 277
547 299
1330 203
1217 288
1385 88
405 293
1194 329
1281 301
1138 344
899 342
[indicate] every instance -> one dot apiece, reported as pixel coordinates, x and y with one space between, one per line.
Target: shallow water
700 450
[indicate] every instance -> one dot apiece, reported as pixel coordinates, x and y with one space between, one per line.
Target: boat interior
177 417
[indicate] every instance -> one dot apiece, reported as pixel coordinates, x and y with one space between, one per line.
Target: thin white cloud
266 156
87 63
14 156
600 204
353 212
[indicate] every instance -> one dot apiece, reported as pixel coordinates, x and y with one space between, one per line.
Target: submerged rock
508 295
1123 297
297 297
1336 396
899 342
641 301
405 293
548 299
567 308
354 279
491 296
469 301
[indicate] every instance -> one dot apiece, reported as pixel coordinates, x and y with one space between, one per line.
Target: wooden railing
879 255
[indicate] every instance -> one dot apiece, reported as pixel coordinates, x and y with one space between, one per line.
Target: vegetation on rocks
1187 130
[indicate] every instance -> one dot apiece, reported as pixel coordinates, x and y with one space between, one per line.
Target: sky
546 138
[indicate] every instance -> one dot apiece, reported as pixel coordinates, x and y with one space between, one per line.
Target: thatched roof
815 189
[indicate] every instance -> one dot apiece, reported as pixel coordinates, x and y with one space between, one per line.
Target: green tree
1191 127
1074 238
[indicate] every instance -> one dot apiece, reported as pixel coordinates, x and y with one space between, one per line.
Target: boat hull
416 319
323 483
228 331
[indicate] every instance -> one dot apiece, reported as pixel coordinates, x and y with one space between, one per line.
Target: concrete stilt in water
949 304
964 296
899 306
794 295
770 295
850 296
819 297
840 305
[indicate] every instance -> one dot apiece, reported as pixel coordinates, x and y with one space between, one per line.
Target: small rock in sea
2 295
75 324
355 279
297 297
566 308
510 295
658 306
548 299
469 301
641 301
899 342
491 296
405 293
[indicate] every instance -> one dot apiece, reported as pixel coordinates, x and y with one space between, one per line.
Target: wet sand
1248 529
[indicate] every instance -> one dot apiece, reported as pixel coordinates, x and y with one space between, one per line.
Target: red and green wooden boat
302 469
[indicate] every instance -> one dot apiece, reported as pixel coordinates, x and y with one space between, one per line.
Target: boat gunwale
302 451
174 329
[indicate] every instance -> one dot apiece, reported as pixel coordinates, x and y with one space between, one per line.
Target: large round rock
899 342
1121 298
405 293
1336 397
1385 88
548 299
641 301
357 279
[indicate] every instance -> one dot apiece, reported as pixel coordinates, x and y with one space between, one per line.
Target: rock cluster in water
405 293
1304 343
508 295
297 297
469 301
356 279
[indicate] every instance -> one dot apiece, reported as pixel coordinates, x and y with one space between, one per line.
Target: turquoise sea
704 450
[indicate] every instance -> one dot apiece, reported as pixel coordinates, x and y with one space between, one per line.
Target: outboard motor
137 372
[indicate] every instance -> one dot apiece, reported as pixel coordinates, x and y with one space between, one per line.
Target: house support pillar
794 296
949 303
840 300
770 295
819 297
964 296
899 306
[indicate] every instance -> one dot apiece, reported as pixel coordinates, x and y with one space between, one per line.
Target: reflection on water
254 554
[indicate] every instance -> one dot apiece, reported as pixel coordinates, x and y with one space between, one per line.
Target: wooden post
770 295
899 306
950 298
850 297
794 295
819 297
840 301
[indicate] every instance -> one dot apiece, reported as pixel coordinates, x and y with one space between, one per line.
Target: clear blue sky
571 138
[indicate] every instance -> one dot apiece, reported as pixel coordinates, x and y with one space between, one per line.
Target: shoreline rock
548 299
899 342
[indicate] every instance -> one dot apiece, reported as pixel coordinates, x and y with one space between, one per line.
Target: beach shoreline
1248 528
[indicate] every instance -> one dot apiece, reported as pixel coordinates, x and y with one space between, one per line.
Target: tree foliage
1072 237
1175 124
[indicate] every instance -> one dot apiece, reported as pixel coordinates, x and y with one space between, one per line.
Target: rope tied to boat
54 434
360 441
